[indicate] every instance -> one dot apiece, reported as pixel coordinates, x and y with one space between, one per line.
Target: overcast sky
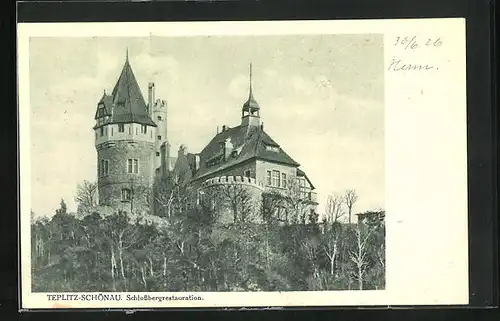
321 99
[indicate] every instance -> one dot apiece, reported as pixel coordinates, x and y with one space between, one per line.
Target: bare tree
359 255
86 195
351 198
296 202
334 208
236 198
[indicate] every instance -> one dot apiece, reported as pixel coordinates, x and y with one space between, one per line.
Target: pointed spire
126 54
251 103
251 80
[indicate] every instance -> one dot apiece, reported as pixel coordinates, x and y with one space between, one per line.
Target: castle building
131 142
246 155
133 152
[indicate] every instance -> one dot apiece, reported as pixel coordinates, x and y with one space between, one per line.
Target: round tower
125 144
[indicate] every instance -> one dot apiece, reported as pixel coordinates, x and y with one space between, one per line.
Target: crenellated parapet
160 103
232 180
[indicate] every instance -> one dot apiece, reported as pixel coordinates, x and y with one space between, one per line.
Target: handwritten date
412 43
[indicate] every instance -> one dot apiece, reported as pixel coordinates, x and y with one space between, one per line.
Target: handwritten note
410 44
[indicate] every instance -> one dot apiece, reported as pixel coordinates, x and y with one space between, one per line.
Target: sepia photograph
243 164
207 163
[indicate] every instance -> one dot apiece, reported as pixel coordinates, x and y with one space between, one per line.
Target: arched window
126 195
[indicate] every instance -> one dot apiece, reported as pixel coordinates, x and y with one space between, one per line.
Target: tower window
247 173
121 128
276 178
103 167
102 131
126 195
132 166
144 129
157 153
159 137
268 177
159 118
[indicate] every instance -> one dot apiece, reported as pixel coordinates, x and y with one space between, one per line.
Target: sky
321 99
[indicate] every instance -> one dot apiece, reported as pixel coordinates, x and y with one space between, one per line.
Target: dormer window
272 148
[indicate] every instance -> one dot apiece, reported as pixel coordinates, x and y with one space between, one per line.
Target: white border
426 164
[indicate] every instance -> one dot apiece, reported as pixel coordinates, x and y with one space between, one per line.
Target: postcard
243 164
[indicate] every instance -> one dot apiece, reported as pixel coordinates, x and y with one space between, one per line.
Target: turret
250 110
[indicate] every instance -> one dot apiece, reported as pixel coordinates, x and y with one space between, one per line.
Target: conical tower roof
128 103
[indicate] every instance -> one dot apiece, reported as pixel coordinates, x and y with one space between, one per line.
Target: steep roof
249 142
126 100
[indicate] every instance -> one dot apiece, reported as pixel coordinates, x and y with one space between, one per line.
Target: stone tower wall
110 186
222 189
160 119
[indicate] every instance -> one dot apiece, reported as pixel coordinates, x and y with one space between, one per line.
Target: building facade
247 156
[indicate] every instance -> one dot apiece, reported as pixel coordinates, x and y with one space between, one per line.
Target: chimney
223 127
164 159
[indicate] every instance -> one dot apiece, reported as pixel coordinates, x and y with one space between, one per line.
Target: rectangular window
247 173
159 117
121 128
136 166
283 180
126 195
157 153
103 167
276 178
102 130
159 137
129 166
144 129
132 166
268 177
